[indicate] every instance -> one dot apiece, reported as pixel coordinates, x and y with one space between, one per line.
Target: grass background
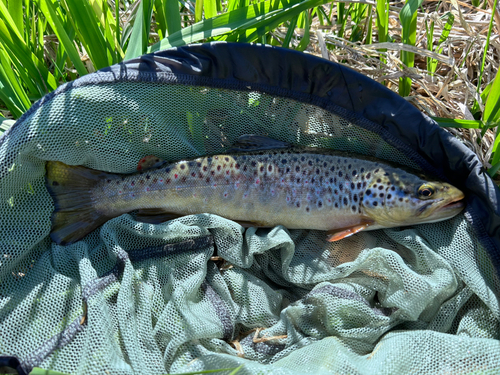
441 55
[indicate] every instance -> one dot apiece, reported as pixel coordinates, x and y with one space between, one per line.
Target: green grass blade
16 12
382 20
290 31
486 46
198 13
90 35
52 18
172 16
210 8
306 38
160 19
7 18
408 18
457 123
140 31
492 107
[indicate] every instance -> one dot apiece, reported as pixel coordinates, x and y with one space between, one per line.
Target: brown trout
263 183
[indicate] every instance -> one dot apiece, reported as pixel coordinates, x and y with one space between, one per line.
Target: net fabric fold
141 298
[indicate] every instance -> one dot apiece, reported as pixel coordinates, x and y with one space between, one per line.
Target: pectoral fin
338 234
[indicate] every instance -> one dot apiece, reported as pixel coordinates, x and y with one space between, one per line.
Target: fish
259 182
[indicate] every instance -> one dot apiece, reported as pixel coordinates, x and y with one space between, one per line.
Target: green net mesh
139 298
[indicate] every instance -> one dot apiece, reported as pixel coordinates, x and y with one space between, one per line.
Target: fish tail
74 215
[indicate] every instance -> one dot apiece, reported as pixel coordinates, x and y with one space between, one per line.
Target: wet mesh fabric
201 292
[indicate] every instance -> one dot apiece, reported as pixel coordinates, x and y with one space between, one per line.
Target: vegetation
441 55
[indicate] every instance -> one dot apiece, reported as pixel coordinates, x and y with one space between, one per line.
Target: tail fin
71 188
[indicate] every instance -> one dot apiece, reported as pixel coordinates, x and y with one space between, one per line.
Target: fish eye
425 191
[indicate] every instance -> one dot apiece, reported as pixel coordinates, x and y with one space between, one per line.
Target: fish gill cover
202 292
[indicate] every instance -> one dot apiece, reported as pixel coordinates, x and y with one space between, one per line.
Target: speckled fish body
297 188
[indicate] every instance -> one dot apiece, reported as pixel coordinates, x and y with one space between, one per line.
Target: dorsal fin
149 162
254 142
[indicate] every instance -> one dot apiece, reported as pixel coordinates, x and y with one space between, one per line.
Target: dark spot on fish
312 180
375 186
219 167
381 195
198 164
317 171
245 168
298 180
191 163
381 187
183 166
340 173
327 174
345 161
362 170
359 185
310 162
297 204
349 166
183 179
374 195
368 192
108 181
167 181
389 196
368 176
336 204
253 163
207 180
393 188
200 175
341 187
283 161
297 168
325 164
148 177
354 173
192 174
335 180
237 166
353 208
376 170
330 189
352 185
346 202
118 182
270 168
205 168
287 169
320 204
386 174
308 209
364 184
321 179
167 170
132 183
226 158
375 203
332 169
302 158
55 183
400 199
379 180
355 198
212 173
262 168
336 192
317 160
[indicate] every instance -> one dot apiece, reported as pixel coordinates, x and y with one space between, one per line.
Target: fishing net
201 292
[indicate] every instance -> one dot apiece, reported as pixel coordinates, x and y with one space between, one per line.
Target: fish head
396 198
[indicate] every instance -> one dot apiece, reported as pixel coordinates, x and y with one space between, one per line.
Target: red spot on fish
257 181
119 192
215 185
227 172
147 189
225 195
237 185
193 174
219 167
132 183
161 179
176 175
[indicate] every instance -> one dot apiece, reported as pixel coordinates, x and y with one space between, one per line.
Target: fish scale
299 188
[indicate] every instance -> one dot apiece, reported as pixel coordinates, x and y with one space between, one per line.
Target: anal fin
338 234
